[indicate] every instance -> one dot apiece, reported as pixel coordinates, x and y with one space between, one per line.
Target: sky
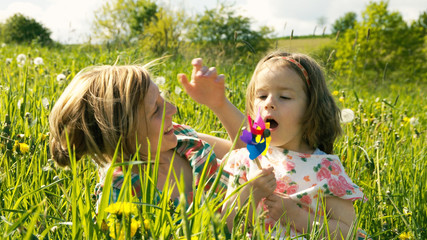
71 21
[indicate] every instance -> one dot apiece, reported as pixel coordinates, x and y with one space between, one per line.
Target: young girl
289 91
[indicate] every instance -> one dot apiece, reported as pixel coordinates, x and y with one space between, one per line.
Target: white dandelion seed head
178 90
159 80
413 121
164 94
45 103
3 45
8 61
38 61
61 77
21 58
347 115
19 103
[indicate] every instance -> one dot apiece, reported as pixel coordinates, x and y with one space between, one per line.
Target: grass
383 151
302 45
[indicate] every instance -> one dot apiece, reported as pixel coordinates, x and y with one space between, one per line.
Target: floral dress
189 146
301 176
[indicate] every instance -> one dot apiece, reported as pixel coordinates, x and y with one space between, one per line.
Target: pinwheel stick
258 163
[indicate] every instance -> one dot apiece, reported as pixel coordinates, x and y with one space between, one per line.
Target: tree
321 22
164 33
122 20
24 30
382 43
344 23
222 29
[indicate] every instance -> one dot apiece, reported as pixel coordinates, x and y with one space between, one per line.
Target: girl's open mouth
273 123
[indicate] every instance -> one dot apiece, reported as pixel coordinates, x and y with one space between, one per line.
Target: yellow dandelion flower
125 208
42 136
341 99
406 119
147 224
134 225
118 232
335 93
405 235
23 147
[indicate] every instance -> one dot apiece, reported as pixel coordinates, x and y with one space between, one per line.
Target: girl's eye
284 97
262 97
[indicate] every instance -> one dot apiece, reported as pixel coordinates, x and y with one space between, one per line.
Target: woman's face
150 121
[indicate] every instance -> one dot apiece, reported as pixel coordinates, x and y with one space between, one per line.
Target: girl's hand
264 184
280 205
206 86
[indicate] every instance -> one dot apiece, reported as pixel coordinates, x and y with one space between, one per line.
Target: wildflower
178 90
42 136
335 93
45 103
21 58
147 224
3 45
347 115
38 61
125 208
159 80
8 61
61 77
341 99
164 94
405 235
413 121
406 119
19 103
23 147
115 227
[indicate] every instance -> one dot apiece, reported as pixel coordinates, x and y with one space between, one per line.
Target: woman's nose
170 109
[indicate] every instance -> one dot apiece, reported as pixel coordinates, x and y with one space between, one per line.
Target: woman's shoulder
184 130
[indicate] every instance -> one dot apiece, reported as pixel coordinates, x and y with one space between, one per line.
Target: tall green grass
382 149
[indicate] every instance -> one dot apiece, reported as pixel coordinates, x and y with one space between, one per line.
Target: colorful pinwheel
257 138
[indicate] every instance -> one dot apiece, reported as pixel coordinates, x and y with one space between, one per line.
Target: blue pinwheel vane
257 138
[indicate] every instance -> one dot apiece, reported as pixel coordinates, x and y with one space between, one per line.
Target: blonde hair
321 122
97 109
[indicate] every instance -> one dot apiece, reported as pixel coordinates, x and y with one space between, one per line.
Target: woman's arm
208 88
221 146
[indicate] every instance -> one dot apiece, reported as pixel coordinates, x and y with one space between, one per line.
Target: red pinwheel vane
257 138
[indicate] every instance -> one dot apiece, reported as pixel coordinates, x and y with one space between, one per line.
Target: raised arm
208 88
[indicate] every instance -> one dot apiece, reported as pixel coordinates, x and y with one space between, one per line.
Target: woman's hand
206 86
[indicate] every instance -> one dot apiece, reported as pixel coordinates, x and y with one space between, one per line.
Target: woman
105 106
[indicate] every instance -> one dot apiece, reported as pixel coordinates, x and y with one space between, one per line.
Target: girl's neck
301 148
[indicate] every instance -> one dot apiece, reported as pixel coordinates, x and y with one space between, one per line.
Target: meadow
382 149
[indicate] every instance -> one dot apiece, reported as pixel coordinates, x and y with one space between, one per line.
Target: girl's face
282 101
150 121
